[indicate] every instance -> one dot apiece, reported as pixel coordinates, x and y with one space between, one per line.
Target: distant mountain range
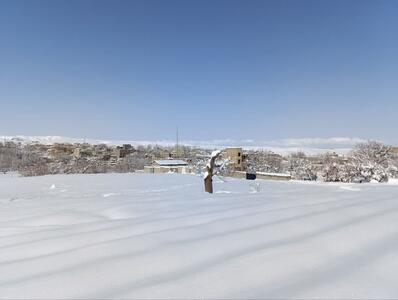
339 145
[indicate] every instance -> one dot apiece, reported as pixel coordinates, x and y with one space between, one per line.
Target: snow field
161 236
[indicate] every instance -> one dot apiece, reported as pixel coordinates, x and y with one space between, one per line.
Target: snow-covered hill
160 236
308 145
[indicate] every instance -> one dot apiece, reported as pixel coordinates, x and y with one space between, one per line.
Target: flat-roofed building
394 150
169 165
236 158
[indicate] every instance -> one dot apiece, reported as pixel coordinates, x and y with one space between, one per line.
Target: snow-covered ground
341 145
160 236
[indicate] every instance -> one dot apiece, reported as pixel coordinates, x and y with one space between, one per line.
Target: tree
264 161
210 168
300 167
393 166
369 161
331 169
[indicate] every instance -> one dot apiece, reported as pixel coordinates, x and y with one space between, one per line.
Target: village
34 159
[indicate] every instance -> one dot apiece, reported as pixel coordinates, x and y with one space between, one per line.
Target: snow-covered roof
171 162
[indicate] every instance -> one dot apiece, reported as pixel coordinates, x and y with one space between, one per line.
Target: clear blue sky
219 69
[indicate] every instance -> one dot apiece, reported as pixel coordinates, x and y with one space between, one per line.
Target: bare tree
264 161
208 177
331 169
369 161
300 167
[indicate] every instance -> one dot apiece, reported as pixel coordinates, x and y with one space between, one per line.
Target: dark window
238 161
238 153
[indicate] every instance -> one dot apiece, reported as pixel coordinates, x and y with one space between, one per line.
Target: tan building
394 150
236 157
123 151
59 150
82 152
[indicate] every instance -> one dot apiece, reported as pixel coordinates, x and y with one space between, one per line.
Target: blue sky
218 69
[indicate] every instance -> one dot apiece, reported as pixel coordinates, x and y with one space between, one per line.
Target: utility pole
177 143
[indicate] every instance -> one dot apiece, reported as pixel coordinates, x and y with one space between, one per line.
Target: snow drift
161 236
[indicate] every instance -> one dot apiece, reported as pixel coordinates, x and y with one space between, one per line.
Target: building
123 151
169 165
236 158
83 152
394 150
60 150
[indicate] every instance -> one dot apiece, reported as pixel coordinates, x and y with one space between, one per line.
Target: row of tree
370 161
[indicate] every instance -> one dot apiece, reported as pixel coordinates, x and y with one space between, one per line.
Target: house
236 158
123 151
60 150
171 163
83 152
394 150
168 165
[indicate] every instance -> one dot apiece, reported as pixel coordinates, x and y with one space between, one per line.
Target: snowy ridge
284 146
139 236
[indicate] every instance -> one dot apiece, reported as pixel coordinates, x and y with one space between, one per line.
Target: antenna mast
177 143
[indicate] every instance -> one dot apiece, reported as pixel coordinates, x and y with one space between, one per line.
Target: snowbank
162 236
